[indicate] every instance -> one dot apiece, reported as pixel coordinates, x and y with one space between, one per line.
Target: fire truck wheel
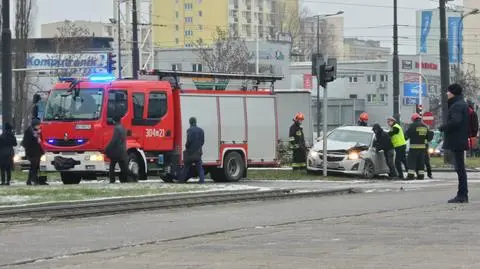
233 166
69 178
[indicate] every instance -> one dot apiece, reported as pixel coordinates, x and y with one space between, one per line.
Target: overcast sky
366 19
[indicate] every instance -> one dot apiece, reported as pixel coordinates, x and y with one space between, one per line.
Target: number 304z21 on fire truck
241 127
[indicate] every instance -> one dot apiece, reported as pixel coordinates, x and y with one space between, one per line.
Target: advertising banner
73 64
425 30
455 36
307 81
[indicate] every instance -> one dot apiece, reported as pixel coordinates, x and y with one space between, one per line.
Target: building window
371 78
177 15
353 96
383 77
200 27
177 27
353 79
188 19
188 6
177 41
188 32
197 67
176 67
377 98
188 45
200 13
199 1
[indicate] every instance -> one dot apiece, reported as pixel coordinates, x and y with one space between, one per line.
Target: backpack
472 123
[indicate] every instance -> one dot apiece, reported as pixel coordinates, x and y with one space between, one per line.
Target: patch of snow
16 199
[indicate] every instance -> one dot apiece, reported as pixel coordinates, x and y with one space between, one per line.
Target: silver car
350 151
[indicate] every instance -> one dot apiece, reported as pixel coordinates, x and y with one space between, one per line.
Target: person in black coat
33 151
7 152
116 151
383 142
456 137
193 151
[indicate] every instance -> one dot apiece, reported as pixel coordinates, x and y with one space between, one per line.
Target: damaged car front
349 151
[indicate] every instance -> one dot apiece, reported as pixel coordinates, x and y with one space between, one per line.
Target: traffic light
111 63
317 60
419 109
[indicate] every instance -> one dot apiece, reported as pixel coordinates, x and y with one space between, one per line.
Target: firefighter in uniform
417 133
363 119
297 143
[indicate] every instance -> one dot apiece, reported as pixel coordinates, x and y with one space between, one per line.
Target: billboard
455 29
73 63
425 30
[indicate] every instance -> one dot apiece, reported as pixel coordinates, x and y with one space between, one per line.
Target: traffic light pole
325 129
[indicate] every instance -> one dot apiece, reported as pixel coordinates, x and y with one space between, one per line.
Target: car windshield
62 105
342 135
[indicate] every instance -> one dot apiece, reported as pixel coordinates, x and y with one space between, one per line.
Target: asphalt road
403 229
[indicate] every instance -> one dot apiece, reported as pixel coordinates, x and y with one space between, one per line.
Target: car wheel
69 178
368 169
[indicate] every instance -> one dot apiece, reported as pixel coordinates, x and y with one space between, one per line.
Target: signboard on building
455 29
73 63
307 81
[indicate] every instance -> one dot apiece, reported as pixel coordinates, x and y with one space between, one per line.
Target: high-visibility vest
398 140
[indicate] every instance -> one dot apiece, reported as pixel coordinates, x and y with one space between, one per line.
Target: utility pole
318 80
396 65
135 51
444 61
119 30
6 64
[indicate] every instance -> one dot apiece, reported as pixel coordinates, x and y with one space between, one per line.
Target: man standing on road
33 151
456 137
417 134
297 143
428 166
193 152
116 151
399 144
383 142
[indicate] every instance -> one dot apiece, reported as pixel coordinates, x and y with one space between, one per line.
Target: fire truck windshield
64 105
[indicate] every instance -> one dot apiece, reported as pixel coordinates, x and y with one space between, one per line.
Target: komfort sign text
80 64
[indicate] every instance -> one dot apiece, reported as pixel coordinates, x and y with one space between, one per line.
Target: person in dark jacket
35 108
297 143
116 151
7 152
428 166
456 137
417 134
33 151
193 152
383 142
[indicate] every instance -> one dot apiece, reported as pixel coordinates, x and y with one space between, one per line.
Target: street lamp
322 16
473 12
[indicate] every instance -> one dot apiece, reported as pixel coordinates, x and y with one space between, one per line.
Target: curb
119 205
469 170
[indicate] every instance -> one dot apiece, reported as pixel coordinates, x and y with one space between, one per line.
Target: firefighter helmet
299 117
416 116
364 116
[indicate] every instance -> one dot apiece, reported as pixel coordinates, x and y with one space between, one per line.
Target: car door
378 159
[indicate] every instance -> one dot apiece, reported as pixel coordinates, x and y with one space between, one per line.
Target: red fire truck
241 126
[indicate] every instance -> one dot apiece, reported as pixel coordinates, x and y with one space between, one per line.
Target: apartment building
356 49
182 23
471 39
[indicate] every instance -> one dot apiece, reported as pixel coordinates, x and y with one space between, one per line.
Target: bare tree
227 54
22 32
470 83
301 27
70 43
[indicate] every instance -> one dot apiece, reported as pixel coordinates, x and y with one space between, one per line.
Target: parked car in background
350 151
19 160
